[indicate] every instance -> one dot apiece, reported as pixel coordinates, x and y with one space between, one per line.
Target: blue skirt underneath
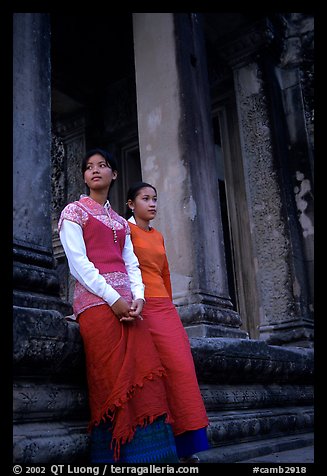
191 442
153 443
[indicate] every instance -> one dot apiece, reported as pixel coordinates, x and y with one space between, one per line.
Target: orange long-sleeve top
149 248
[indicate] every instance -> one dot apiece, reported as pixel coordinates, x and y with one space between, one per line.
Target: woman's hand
122 310
136 308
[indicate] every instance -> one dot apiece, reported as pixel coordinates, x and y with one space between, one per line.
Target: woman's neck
100 197
144 224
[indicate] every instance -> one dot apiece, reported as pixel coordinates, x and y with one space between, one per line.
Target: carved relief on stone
224 360
245 46
72 134
58 174
307 83
75 182
50 442
231 397
265 199
68 148
225 426
45 399
120 108
299 52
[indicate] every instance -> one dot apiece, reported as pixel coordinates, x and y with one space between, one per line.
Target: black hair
109 158
132 194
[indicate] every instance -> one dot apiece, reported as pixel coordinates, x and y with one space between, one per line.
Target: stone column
177 157
46 349
296 77
280 275
68 148
33 259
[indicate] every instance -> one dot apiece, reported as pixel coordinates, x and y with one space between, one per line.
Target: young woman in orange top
169 336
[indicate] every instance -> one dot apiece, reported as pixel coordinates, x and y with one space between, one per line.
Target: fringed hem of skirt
109 409
116 442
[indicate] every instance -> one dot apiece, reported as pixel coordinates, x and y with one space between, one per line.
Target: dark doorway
93 77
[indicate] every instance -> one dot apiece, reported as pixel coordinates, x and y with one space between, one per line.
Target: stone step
247 451
40 400
51 442
242 396
226 426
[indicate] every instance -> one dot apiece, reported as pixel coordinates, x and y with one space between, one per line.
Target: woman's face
98 173
145 204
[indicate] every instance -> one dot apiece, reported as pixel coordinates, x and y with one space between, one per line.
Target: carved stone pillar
68 148
280 275
47 350
72 133
296 73
177 157
34 277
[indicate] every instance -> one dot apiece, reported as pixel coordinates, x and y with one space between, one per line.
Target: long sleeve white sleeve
71 237
133 269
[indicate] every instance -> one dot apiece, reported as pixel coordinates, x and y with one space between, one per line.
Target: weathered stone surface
241 396
242 360
257 424
242 452
51 442
27 276
43 400
46 343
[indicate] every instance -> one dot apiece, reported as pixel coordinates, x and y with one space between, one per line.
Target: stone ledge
53 442
231 397
251 425
48 401
238 453
45 343
233 360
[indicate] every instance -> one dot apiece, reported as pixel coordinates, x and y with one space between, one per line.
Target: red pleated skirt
172 343
126 379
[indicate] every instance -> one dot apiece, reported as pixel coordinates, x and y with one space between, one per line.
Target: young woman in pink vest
130 417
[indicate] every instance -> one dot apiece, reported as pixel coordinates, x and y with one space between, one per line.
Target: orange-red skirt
125 375
171 340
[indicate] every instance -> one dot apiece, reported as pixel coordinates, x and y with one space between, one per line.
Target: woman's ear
114 174
130 204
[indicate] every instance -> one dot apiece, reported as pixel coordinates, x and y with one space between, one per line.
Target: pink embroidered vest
101 249
105 254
